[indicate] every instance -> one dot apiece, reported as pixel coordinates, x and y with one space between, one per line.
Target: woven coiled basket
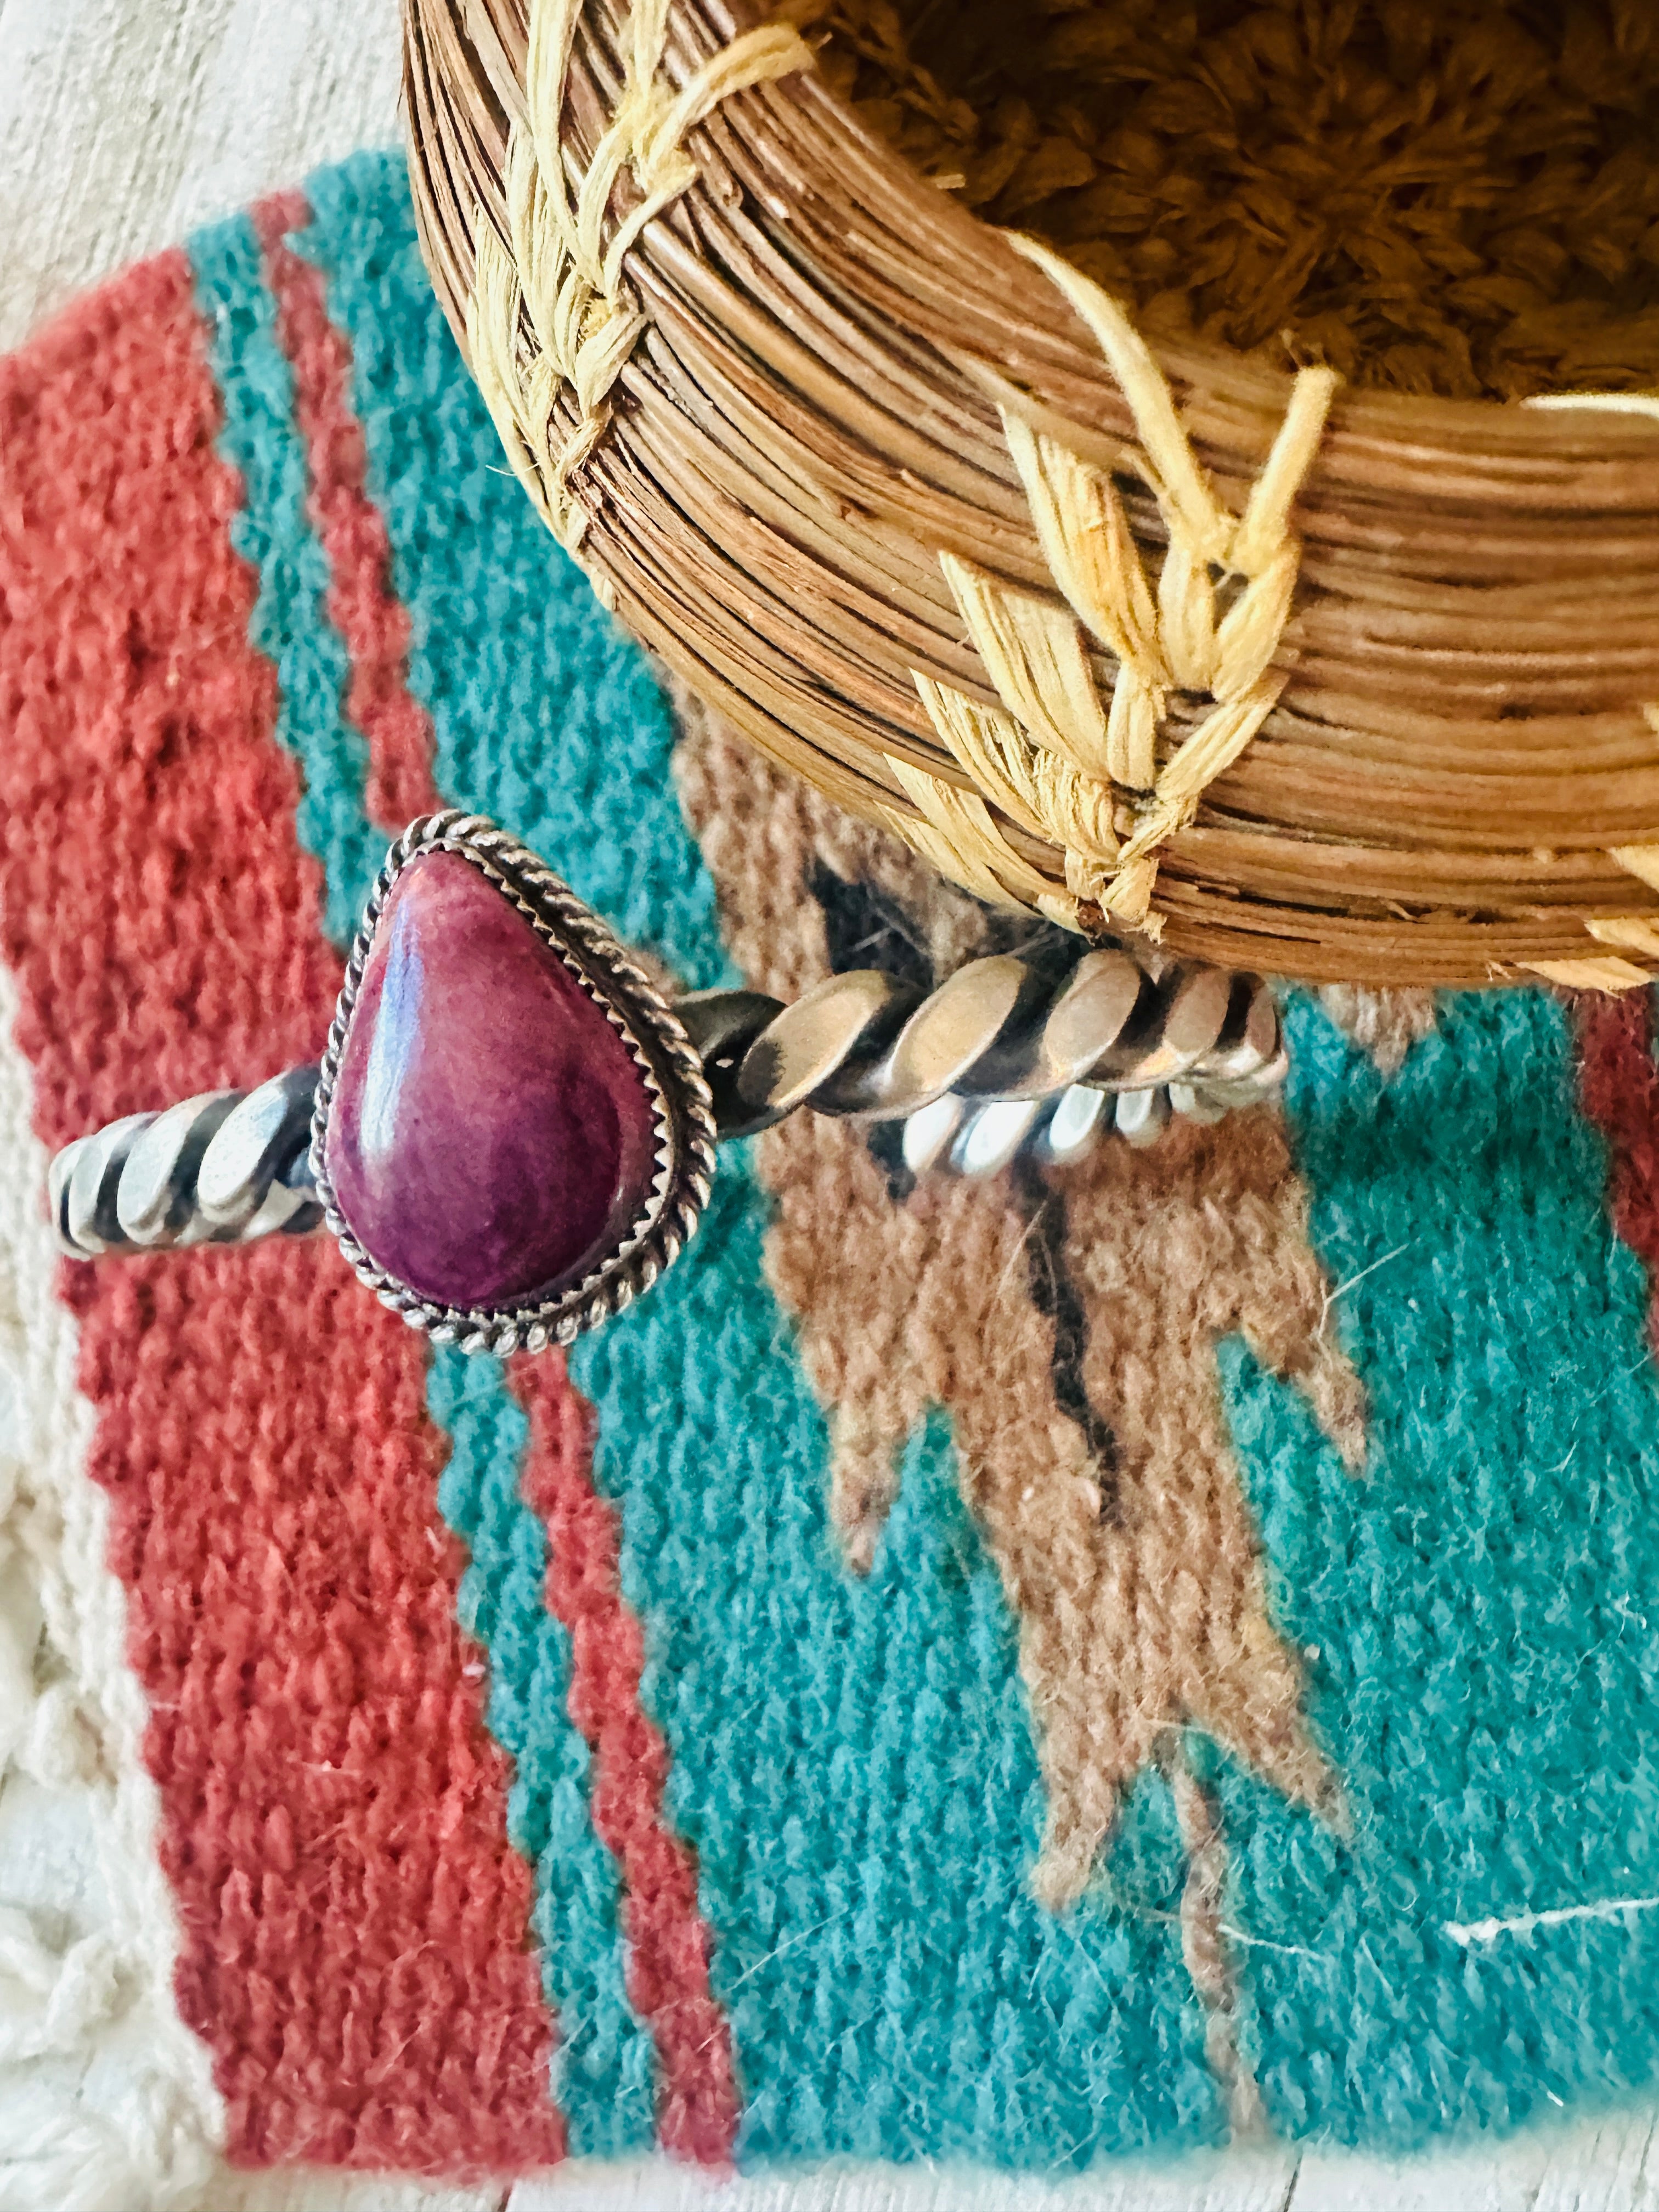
1340 684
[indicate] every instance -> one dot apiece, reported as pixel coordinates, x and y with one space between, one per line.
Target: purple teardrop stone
490 1135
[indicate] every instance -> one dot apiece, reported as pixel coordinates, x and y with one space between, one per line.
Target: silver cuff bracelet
511 1131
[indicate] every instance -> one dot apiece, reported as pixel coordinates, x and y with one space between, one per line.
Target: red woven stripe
1620 1085
353 1924
668 1939
362 602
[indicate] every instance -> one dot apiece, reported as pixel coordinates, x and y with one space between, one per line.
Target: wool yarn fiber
1110 1660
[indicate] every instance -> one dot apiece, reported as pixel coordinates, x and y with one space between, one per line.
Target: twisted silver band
1003 1057
220 1169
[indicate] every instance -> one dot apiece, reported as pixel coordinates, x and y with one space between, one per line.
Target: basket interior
1449 197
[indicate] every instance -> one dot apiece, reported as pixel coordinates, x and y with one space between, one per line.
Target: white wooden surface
123 124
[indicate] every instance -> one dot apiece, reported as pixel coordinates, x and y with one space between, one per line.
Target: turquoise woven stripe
1479 1612
290 624
893 1988
603 2063
854 1764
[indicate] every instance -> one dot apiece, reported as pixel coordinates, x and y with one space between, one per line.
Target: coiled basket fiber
1157 571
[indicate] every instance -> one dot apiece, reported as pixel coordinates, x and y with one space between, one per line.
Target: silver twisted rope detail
220 1169
1002 1058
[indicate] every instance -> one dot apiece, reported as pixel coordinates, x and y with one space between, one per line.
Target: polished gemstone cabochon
490 1135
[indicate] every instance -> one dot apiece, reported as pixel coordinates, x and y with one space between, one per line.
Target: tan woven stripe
1135 1623
551 310
1060 763
1205 1948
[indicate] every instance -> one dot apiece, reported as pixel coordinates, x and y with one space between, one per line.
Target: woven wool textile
1091 1661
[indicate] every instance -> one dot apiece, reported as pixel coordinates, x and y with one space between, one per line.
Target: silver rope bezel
666 1056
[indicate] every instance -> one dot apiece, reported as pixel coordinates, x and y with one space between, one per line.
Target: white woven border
87 1937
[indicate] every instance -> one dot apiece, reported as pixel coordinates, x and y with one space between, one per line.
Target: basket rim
818 433
1224 391
1218 377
